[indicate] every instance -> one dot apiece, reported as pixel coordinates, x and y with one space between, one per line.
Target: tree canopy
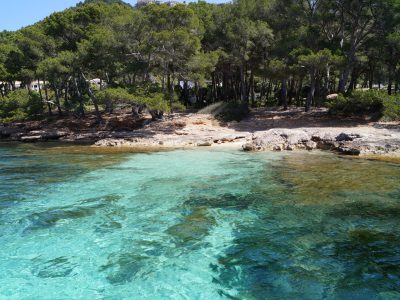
254 52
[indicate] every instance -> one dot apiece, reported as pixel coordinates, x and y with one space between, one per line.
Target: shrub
21 105
178 106
153 101
391 108
368 102
359 102
111 97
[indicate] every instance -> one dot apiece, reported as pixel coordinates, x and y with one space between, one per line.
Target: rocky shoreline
186 131
354 142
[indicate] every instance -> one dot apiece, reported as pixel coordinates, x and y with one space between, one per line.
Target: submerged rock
193 228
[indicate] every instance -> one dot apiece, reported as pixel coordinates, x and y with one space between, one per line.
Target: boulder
310 145
249 147
6 132
294 137
344 137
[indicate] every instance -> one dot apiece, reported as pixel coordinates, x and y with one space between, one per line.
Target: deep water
76 223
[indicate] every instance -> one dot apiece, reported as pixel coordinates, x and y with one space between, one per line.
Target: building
7 86
171 3
98 83
36 86
141 3
33 86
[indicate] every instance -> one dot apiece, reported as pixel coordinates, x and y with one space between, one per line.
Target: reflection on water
76 222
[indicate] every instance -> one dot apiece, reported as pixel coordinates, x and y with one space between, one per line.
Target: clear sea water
76 223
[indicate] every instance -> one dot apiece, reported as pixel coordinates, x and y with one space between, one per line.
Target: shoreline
261 131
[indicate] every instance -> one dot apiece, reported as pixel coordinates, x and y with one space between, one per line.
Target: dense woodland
160 57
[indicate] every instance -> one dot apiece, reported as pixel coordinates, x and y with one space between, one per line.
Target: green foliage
21 105
202 64
154 101
224 52
318 61
367 102
178 106
359 102
277 69
112 97
391 108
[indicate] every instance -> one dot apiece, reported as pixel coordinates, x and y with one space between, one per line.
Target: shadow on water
323 237
188 234
371 260
123 267
82 209
192 230
225 201
303 227
58 267
317 179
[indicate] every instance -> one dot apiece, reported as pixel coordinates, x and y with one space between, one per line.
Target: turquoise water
196 224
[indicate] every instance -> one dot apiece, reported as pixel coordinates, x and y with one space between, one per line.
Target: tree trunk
94 100
58 104
40 91
284 94
299 90
390 80
269 91
186 93
79 93
291 91
170 84
96 106
311 92
344 76
47 98
66 103
252 91
243 97
213 88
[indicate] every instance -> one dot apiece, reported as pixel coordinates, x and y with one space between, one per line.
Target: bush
178 106
368 102
359 102
152 100
112 97
391 108
21 105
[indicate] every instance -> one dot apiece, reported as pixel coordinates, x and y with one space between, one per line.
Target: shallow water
196 224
